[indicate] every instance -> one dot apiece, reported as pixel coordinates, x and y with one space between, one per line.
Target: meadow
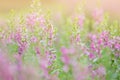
45 44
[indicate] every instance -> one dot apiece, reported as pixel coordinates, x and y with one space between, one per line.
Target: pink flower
67 50
41 21
98 15
117 46
78 38
33 39
81 19
91 56
65 59
5 70
94 74
64 50
19 66
44 67
92 37
43 62
101 71
71 50
105 37
117 55
21 47
65 55
65 68
17 37
37 50
100 41
92 46
50 57
80 72
31 19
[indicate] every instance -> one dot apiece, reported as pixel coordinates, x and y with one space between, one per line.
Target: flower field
44 45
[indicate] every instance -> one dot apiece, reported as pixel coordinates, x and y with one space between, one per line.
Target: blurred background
111 6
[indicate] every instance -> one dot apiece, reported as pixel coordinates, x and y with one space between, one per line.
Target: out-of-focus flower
50 57
37 50
101 71
117 55
81 20
31 19
91 56
41 20
77 37
98 15
5 69
65 68
117 46
71 50
33 39
100 41
64 50
65 59
92 37
105 37
18 37
21 47
80 72
44 67
92 46
65 54
67 50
